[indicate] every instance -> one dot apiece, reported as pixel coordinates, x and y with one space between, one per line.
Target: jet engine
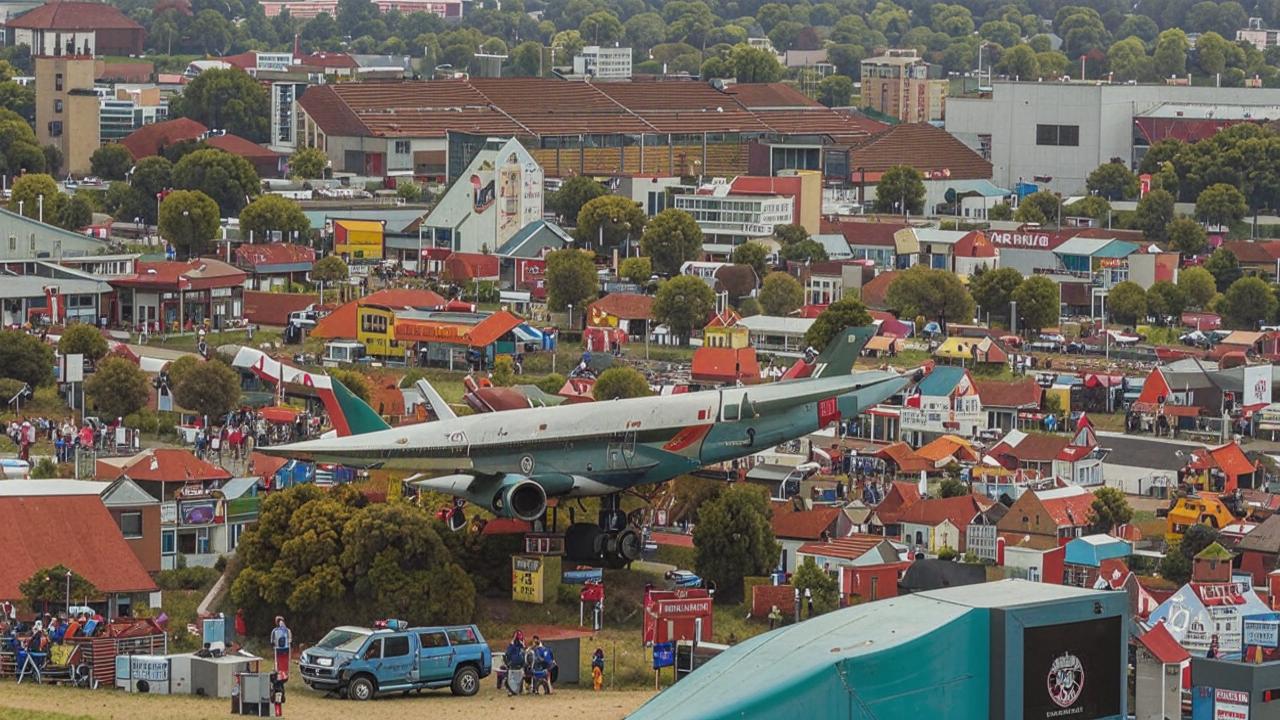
518 497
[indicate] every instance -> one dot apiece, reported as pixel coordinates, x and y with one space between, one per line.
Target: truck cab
359 663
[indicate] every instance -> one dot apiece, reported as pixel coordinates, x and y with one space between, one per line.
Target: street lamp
570 306
68 592
40 201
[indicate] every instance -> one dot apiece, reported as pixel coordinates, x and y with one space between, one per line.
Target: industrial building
1014 649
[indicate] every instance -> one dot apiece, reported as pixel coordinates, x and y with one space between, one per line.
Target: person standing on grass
281 639
597 669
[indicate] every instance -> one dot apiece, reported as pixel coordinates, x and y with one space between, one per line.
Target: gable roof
942 380
851 547
873 293
237 145
74 530
1022 393
627 306
161 465
530 240
1091 550
948 446
341 323
1254 252
907 460
722 364
1160 643
276 253
1071 506
1038 448
152 139
960 510
923 146
1214 551
197 274
1229 458
802 524
74 16
1113 573
1264 539
901 495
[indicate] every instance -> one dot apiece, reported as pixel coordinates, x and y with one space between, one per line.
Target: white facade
1066 130
931 538
59 42
962 416
498 194
603 63
730 220
981 541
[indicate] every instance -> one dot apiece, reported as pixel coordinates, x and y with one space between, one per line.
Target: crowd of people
528 667
66 436
46 630
242 430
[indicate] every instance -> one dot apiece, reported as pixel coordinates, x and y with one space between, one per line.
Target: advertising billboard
1257 385
1072 670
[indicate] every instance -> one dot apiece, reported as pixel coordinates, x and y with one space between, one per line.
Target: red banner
828 412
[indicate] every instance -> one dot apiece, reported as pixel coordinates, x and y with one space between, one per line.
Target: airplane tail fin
838 356
349 414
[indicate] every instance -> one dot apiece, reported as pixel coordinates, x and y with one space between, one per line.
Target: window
168 542
462 636
1058 135
13 242
57 106
57 82
55 128
374 651
395 646
402 147
433 639
131 524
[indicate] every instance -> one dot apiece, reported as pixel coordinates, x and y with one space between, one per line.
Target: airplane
511 462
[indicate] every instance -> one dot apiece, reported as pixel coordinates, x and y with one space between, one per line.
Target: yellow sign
527 579
358 239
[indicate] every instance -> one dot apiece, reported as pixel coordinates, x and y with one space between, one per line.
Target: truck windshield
344 640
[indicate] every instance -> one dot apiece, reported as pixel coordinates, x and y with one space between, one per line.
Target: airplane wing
838 357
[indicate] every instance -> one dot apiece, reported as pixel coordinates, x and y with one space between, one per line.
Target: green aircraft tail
838 357
349 414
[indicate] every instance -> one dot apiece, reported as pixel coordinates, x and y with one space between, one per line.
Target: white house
498 194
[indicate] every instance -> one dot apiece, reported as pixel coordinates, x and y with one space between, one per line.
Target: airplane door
622 449
735 405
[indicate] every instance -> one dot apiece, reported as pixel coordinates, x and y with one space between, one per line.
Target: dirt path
301 703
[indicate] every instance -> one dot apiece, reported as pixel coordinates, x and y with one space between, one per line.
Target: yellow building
1203 509
67 110
376 331
724 332
358 239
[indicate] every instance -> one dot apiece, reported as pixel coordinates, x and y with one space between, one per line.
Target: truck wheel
466 682
360 688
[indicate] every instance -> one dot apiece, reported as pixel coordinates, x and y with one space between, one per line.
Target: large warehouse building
1014 650
658 128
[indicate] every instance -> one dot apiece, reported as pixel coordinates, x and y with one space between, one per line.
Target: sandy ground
301 703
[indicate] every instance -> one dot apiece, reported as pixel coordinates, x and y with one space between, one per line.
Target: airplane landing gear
611 540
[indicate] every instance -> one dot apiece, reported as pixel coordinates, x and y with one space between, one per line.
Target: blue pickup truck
359 663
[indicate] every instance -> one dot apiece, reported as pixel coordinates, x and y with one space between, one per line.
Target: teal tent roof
941 380
529 240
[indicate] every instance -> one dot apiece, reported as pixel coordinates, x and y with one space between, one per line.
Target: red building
173 294
867 567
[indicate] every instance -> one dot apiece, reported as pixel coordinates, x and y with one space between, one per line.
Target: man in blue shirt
281 639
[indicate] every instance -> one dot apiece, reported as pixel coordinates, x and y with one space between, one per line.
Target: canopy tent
279 414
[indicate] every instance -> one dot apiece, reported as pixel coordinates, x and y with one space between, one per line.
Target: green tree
409 191
1170 56
601 28
1187 236
308 163
229 179
1038 303
1127 303
52 159
19 150
212 389
31 192
1000 211
781 294
608 221
1128 59
1247 304
636 270
755 65
111 161
189 220
504 371
789 234
683 304
844 313
993 289
355 381
749 306
935 294
1042 207
1176 565
1199 287
117 388
620 382
228 100
951 487
76 213
1110 508
575 192
328 271
835 90
24 357
49 587
1113 181
671 239
818 583
754 255
1153 214
804 251
270 214
1166 300
1220 204
734 539
1019 62
525 60
83 339
898 185
1092 206
1224 268
571 279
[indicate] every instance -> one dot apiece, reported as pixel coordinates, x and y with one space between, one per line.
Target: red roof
268 308
769 95
925 147
857 232
162 465
905 458
1038 448
152 139
237 145
626 306
1068 509
487 331
1018 394
1229 458
874 292
1254 252
341 323
901 495
1160 643
265 466
959 510
1113 572
802 524
469 266
198 274
73 530
274 254
338 61
73 16
974 245
845 548
716 364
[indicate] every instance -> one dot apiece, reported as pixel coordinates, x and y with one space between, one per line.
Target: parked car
683 579
360 663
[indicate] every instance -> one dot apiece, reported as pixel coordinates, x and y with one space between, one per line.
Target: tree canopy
734 539
111 161
83 339
571 279
308 163
993 289
189 219
900 184
271 214
781 294
1038 302
226 99
575 192
117 388
844 313
229 179
1127 303
24 357
683 304
620 382
612 219
670 239
1248 303
211 389
935 294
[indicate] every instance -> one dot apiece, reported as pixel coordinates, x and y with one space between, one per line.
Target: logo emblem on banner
1066 680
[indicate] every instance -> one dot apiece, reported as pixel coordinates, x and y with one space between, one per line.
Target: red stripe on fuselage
686 438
